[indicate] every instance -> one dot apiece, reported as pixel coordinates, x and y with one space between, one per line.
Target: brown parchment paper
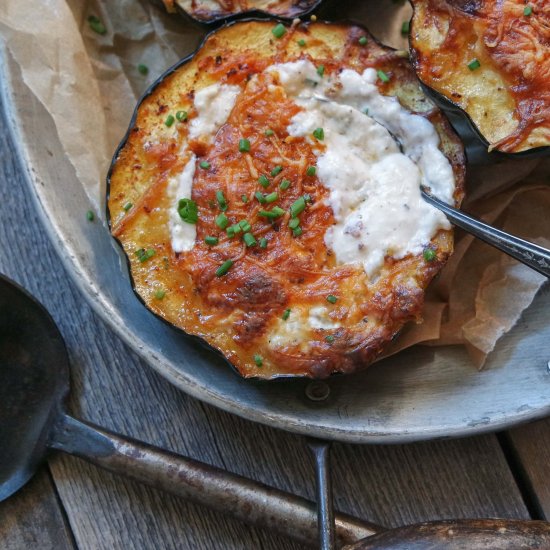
89 84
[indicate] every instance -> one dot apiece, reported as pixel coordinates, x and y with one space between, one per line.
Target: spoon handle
533 255
247 500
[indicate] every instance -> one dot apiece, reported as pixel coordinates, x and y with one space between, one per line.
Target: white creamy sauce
318 318
374 187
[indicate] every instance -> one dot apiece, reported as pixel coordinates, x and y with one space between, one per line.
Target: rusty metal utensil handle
250 501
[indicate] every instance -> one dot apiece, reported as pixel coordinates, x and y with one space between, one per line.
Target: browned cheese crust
241 313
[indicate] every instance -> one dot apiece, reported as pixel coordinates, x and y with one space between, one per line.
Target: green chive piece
321 70
160 293
249 239
259 197
245 226
297 207
285 315
244 198
363 41
244 145
319 134
188 210
329 339
263 181
222 221
263 242
279 30
284 185
222 202
275 212
169 120
211 241
429 255
205 165
272 197
224 268
474 64
96 25
527 10
182 115
233 230
277 170
127 206
293 223
405 27
142 69
332 299
382 75
144 255
269 132
301 42
297 231
90 216
258 360
311 171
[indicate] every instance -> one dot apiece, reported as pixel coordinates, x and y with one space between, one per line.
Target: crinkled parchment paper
90 83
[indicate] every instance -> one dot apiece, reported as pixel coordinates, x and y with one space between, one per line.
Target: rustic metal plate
421 393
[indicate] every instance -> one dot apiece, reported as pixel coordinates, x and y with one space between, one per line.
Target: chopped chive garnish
224 268
277 170
293 223
249 239
321 70
142 69
311 171
263 242
182 115
301 42
405 27
429 255
205 165
233 230
474 64
319 134
275 212
284 185
332 299
297 207
221 221
269 132
96 25
211 241
222 202
527 10
90 216
278 30
272 197
127 206
245 226
244 198
258 360
144 255
285 315
382 75
329 338
244 145
363 41
297 231
160 293
169 120
259 197
188 210
263 181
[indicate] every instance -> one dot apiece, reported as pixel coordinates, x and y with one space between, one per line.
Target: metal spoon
34 374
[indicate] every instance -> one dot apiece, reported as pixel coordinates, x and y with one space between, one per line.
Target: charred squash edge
449 106
191 337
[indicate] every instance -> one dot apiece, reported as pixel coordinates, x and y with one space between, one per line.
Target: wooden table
71 504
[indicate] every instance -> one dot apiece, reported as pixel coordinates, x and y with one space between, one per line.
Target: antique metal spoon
34 385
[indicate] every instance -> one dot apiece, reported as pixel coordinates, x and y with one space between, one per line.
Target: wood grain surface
113 387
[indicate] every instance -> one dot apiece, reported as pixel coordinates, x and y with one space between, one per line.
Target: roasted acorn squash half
490 60
215 11
254 193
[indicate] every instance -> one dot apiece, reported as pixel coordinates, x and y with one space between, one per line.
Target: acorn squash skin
130 180
491 99
214 18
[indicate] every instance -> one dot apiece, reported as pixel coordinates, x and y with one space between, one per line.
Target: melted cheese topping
182 234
